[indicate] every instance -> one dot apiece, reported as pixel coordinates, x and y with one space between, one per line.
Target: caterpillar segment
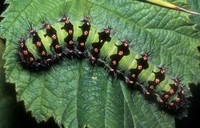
142 63
69 28
104 36
81 49
122 50
51 32
27 59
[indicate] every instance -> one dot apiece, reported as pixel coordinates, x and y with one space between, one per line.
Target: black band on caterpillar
141 64
122 50
171 98
82 39
96 46
26 57
51 32
69 28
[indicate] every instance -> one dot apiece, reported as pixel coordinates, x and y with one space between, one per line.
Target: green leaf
195 5
77 96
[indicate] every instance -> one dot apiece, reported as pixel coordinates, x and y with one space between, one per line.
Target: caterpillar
56 42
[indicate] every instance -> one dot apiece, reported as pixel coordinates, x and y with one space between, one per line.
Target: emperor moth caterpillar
82 40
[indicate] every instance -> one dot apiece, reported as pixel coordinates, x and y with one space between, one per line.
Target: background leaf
76 96
195 5
6 101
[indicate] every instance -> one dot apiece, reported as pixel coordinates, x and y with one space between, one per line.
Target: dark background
26 121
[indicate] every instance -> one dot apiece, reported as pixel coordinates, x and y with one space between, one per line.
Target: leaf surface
77 96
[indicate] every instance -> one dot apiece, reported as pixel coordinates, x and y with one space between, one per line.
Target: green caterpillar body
82 40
